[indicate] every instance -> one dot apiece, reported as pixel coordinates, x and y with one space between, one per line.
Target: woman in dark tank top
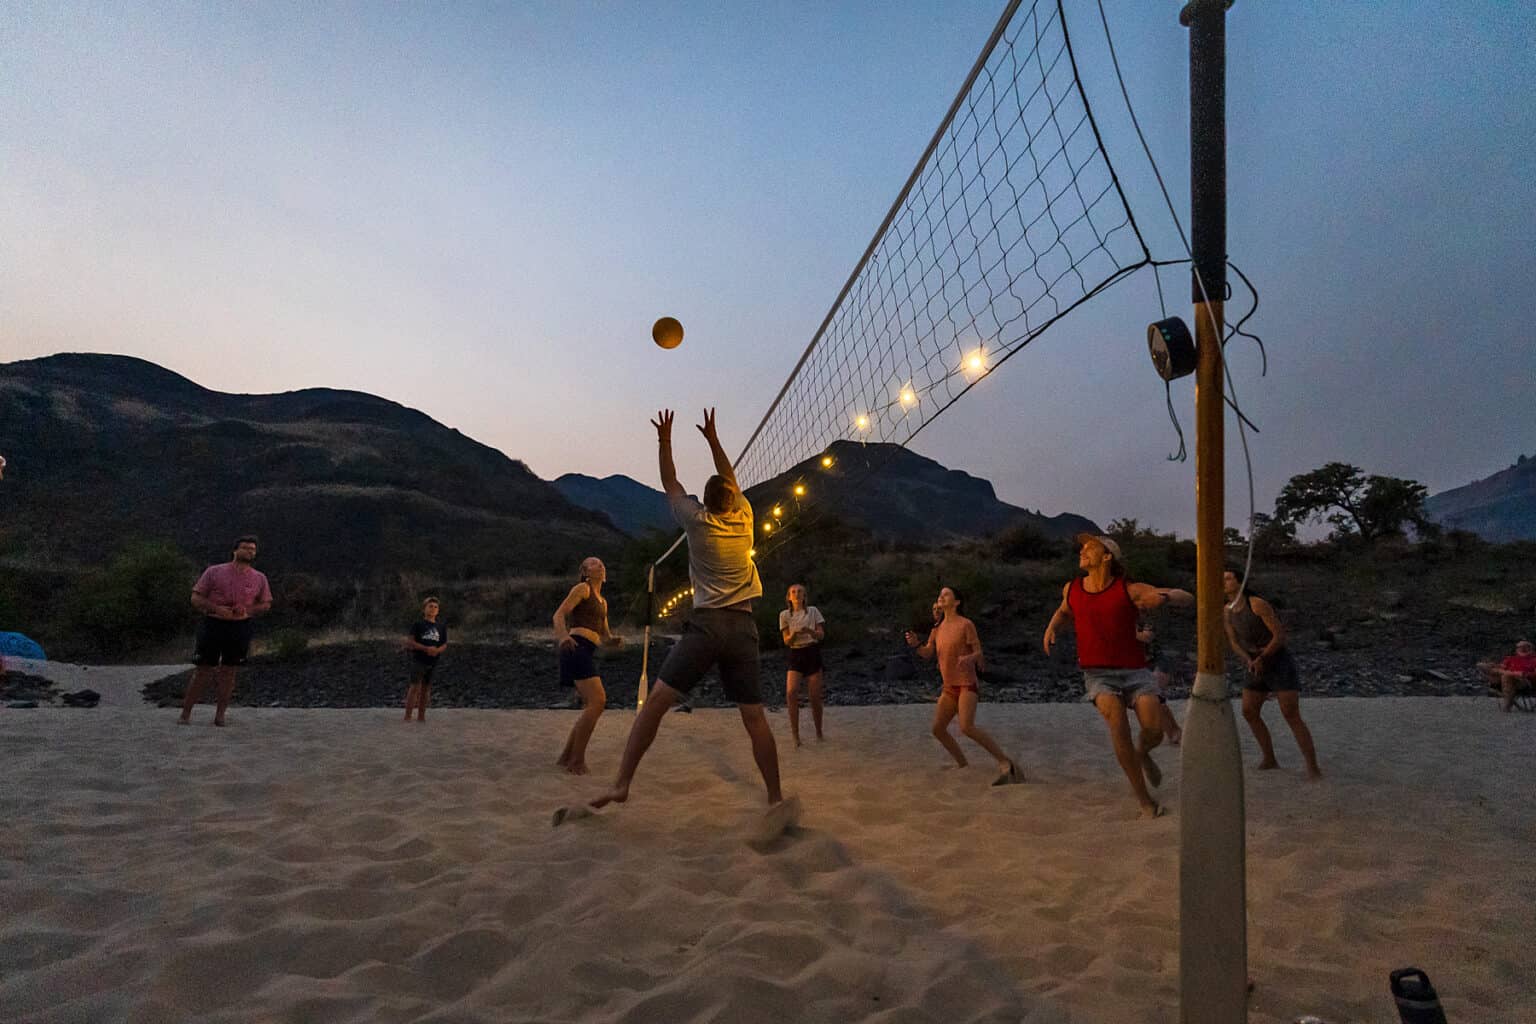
581 624
1258 639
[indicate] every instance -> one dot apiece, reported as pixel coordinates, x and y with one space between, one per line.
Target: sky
478 211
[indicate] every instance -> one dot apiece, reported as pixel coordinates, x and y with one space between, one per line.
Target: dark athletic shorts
805 660
1279 675
421 671
578 663
223 641
713 637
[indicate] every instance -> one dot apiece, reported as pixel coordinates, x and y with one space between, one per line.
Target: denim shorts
1125 683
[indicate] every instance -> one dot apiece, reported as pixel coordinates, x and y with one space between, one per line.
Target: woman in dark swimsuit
581 625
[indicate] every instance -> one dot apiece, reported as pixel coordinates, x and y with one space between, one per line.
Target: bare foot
617 795
1008 774
577 768
1153 810
571 813
219 722
1153 772
1268 766
1175 737
798 743
183 721
778 819
1314 773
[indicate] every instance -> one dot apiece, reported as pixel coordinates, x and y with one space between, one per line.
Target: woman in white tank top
802 629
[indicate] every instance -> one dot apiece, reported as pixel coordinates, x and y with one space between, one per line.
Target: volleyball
667 332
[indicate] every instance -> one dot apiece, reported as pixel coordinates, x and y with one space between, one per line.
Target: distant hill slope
105 449
896 493
633 507
1501 507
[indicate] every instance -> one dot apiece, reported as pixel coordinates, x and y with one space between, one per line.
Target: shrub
1025 542
288 644
141 597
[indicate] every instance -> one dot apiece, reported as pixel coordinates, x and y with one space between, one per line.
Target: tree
1368 506
1272 534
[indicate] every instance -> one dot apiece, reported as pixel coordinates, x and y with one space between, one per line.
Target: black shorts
223 641
579 662
805 660
421 672
1279 675
713 637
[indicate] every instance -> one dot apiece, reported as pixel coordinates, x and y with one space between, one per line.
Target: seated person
1516 672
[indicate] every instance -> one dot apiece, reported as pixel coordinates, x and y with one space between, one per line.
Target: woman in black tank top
1258 639
581 624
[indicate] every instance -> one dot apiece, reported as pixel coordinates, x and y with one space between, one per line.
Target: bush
288 644
1025 542
142 597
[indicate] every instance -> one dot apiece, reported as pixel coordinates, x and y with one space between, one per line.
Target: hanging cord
1173 417
1205 296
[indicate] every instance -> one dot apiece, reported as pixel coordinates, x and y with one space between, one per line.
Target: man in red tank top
1104 607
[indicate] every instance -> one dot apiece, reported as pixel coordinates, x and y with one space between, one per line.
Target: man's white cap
1109 544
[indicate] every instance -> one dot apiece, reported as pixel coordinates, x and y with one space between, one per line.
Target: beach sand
328 866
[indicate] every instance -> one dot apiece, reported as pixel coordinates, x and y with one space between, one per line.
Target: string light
767 527
778 511
752 553
826 462
861 421
908 397
976 361
799 490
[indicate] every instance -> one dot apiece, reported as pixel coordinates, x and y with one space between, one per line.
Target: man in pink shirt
229 596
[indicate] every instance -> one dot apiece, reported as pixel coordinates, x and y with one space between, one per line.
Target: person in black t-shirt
428 640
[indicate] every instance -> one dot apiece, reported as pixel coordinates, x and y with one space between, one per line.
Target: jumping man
720 631
1104 608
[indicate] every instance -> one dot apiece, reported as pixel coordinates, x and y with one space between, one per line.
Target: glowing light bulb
767 527
778 510
799 490
752 553
908 397
826 462
976 362
861 421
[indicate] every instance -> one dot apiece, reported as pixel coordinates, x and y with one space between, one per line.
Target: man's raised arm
663 425
722 461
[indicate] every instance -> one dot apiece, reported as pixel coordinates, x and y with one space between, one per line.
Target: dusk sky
478 211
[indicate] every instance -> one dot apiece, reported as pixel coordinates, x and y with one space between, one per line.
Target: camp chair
1525 692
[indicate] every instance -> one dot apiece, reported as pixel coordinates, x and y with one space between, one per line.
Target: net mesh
1013 218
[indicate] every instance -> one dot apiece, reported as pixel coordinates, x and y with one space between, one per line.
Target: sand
328 866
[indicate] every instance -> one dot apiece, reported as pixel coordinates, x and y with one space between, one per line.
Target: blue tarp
15 645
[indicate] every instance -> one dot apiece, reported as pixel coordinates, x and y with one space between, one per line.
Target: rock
1391 598
1437 674
81 699
899 666
1405 679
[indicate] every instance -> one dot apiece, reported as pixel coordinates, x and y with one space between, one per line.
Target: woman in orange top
958 649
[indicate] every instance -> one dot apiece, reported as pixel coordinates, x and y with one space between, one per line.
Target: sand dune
341 866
